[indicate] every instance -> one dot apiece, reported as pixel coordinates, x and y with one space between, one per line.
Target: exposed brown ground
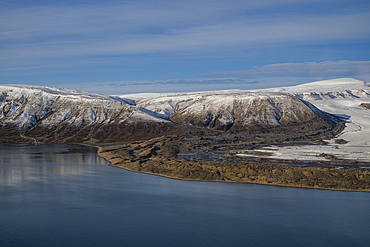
158 156
155 149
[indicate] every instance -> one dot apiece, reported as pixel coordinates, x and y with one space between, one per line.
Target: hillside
343 88
235 111
45 114
266 136
343 97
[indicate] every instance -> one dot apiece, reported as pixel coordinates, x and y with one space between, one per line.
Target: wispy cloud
34 34
273 75
126 45
190 81
167 86
306 69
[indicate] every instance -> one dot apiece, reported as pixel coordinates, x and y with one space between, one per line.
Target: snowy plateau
47 114
342 97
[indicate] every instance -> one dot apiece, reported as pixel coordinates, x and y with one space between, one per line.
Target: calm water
59 195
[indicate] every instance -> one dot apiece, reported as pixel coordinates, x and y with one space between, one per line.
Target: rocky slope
197 136
235 111
45 114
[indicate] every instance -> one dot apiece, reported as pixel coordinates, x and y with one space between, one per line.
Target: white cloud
308 69
31 35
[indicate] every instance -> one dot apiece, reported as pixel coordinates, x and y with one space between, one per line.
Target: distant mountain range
48 114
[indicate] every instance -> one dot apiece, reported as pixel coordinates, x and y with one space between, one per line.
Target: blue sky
118 47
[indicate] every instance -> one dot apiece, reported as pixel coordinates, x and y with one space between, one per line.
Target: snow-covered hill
30 106
57 114
68 113
342 97
26 106
343 88
233 110
327 89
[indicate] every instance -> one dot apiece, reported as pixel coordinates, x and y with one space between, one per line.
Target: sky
121 47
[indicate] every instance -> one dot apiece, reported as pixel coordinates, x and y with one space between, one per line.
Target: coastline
149 160
255 146
146 157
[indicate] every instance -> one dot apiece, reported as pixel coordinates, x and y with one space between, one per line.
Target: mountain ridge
51 114
205 136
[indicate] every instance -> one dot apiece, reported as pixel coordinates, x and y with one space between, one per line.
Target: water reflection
86 203
19 163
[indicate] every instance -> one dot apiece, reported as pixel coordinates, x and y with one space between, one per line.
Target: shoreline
230 181
149 160
250 172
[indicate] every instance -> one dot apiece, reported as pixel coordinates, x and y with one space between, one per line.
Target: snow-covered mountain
343 88
233 110
64 113
342 97
51 114
27 106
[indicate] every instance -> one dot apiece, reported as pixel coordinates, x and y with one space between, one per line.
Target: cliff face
44 114
249 111
235 111
58 115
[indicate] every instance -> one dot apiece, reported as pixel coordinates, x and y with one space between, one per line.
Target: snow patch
24 118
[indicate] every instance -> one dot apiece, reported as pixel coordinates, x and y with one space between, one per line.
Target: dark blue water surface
59 195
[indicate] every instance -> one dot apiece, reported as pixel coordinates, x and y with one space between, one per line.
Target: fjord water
66 195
